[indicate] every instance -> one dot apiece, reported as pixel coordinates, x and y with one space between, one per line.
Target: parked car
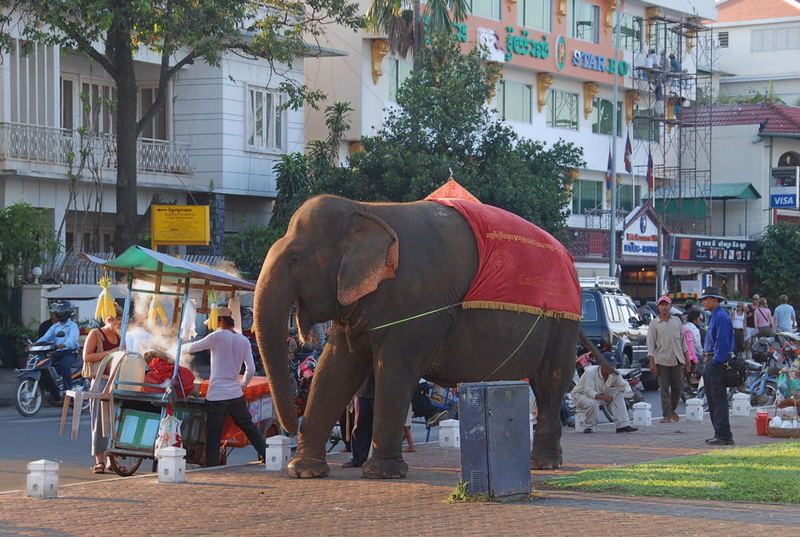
611 319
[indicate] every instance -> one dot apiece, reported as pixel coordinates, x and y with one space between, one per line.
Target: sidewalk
247 500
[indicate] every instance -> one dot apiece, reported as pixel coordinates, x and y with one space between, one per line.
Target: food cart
137 414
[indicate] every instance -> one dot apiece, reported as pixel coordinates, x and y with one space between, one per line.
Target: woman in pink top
763 319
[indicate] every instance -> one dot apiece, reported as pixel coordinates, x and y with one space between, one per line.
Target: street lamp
36 271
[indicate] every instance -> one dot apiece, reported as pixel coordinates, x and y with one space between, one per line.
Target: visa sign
783 187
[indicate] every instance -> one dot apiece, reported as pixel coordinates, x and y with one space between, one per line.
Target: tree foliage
112 32
443 125
775 268
28 237
247 249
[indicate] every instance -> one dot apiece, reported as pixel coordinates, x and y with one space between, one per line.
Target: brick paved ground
248 501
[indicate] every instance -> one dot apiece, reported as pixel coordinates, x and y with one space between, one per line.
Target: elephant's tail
586 342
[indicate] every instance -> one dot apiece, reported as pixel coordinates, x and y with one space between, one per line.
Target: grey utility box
494 425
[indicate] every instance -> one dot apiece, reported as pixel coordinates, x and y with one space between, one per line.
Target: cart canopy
148 264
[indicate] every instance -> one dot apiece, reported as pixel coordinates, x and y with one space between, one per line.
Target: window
628 197
589 308
630 32
602 119
157 127
584 20
722 39
514 101
534 14
773 40
586 195
67 103
97 103
562 109
399 70
264 119
611 309
485 8
645 128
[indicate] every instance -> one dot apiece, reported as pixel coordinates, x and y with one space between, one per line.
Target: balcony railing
37 143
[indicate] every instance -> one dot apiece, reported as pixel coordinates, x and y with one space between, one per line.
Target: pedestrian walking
785 320
737 321
717 351
750 329
668 357
763 317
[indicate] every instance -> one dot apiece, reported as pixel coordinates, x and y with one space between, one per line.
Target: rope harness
495 370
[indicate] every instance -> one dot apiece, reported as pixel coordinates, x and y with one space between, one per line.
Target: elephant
367 265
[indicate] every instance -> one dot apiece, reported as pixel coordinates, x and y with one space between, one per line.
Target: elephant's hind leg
549 384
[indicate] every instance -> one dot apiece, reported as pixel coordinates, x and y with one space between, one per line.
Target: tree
247 249
775 268
403 27
28 238
443 125
112 32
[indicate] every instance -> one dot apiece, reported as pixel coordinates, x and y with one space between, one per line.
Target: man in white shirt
225 397
601 384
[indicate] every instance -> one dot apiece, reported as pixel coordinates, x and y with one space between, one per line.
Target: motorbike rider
64 335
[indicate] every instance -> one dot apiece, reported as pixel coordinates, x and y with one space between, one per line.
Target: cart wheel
193 430
269 428
124 465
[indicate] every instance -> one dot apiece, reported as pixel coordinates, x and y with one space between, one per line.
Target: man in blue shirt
717 350
784 316
64 335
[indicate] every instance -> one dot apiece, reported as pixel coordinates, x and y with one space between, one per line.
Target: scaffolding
672 119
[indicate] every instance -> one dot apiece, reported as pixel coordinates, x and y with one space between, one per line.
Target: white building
759 42
215 142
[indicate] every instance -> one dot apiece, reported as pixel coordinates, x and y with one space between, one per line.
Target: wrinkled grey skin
365 265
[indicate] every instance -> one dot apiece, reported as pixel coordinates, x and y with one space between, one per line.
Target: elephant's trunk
273 298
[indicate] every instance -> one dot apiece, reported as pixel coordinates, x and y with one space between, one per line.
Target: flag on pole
608 177
650 179
628 153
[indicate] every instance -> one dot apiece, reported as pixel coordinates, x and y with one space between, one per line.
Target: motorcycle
39 379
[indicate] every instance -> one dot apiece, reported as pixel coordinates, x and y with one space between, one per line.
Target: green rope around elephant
496 369
416 316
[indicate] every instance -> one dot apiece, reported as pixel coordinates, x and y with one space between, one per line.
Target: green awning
734 191
719 192
685 208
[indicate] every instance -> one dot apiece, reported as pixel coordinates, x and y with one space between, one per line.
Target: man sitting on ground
602 384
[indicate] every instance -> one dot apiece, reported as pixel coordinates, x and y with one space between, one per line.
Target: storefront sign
783 187
180 224
524 46
595 62
721 250
640 237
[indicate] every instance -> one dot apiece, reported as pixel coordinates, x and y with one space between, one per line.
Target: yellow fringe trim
507 306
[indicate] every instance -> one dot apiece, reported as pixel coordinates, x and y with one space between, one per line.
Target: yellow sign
180 224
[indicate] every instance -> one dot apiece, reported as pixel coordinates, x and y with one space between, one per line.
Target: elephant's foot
545 461
384 469
304 468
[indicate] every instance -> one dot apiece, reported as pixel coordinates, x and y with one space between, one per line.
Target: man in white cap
668 356
225 397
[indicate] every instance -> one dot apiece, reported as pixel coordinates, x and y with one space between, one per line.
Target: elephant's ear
369 256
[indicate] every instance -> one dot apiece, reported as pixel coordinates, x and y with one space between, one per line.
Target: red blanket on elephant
521 267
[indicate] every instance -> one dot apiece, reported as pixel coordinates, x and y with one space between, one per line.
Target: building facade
758 47
559 64
215 140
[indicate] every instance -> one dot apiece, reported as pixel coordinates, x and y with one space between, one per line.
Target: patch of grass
764 474
461 494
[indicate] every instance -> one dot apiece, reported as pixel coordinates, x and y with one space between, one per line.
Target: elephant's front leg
395 379
336 379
